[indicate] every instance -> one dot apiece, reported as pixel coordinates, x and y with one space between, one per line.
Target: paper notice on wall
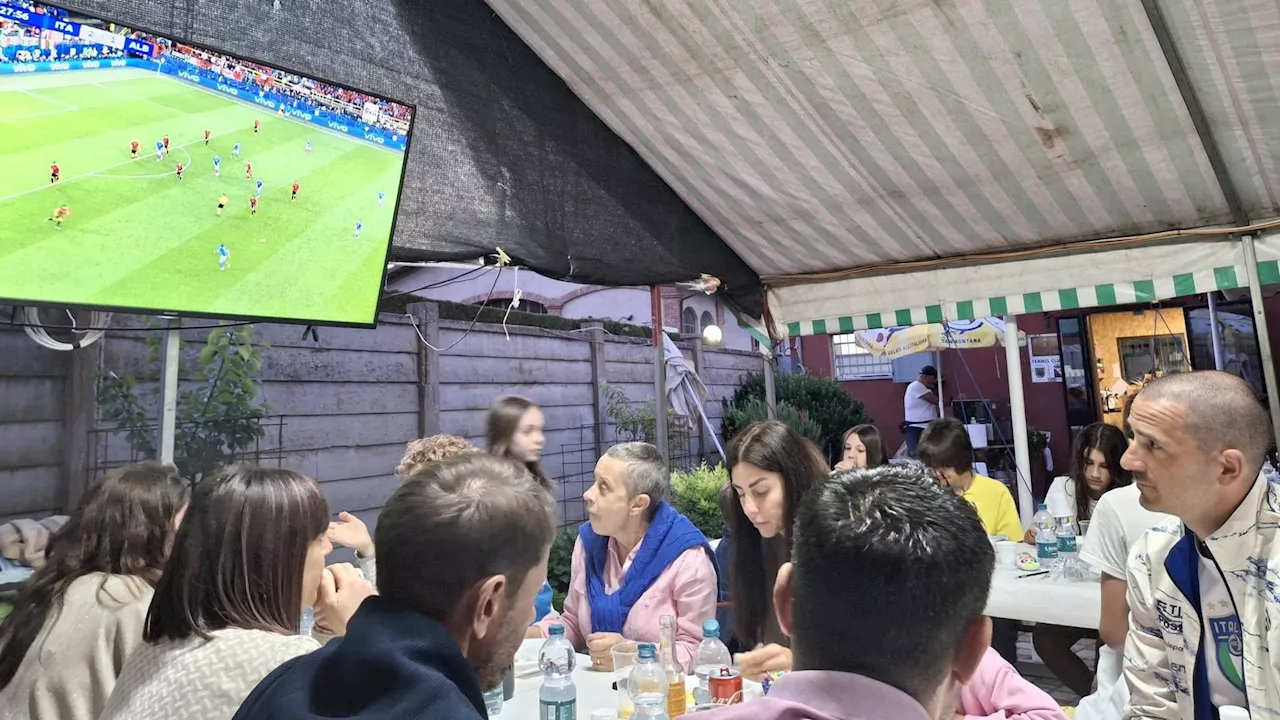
1046 369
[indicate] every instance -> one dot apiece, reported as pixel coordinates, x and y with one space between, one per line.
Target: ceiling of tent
817 135
502 154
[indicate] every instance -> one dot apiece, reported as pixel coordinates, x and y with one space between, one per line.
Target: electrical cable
38 334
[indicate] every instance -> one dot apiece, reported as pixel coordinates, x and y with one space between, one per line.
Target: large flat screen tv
138 173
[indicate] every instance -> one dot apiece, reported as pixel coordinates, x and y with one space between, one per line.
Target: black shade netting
502 154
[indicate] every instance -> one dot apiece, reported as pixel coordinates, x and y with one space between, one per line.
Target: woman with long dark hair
863 448
246 562
1095 471
771 469
77 618
515 430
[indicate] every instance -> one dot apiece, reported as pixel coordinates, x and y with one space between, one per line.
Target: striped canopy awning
818 136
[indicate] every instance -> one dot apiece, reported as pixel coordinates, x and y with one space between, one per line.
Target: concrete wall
343 406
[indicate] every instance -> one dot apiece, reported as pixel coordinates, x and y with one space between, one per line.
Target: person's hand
351 532
342 589
844 465
1030 537
756 664
533 633
600 647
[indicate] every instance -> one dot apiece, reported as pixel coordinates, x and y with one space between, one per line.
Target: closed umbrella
686 392
896 342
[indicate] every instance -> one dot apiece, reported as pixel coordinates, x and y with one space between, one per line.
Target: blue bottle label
1047 550
1067 544
557 710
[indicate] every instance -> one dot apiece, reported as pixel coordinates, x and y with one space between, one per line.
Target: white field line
167 173
99 171
32 93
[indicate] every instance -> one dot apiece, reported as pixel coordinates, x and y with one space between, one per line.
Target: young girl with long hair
81 614
863 448
516 430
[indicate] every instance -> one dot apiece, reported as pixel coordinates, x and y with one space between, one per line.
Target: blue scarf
669 536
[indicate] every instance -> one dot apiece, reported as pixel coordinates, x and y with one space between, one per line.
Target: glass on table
625 656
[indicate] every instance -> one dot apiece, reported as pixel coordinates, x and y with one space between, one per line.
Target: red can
725 686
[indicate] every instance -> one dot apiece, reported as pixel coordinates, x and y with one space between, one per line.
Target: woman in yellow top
945 449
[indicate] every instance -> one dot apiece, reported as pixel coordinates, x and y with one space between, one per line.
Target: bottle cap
1233 712
604 714
710 628
648 651
555 631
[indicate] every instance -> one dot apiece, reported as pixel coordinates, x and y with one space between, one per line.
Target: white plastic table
1042 600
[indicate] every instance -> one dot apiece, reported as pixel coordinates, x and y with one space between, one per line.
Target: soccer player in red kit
133 149
248 170
294 198
256 124
207 133
165 140
253 205
179 172
55 173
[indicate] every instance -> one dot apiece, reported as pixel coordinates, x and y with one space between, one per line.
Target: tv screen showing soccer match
138 173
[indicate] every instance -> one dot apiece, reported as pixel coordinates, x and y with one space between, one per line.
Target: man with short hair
462 551
1202 587
875 540
920 406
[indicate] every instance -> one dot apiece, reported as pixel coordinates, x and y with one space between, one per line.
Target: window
854 362
689 322
1137 359
707 321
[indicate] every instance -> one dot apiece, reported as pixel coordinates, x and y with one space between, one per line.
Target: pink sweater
686 589
998 692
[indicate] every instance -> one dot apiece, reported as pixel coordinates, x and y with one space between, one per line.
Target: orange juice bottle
677 704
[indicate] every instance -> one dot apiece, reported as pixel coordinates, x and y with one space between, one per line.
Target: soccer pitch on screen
138 237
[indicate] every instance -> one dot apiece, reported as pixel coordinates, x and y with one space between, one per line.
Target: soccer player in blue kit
159 150
235 151
224 257
259 187
382 197
217 166
308 144
359 229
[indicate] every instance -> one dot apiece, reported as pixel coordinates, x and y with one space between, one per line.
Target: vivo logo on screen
228 90
114 63
338 126
374 137
24 68
90 64
62 66
189 76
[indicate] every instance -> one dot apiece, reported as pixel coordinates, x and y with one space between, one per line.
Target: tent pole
1018 413
1215 332
169 388
659 376
770 389
1264 335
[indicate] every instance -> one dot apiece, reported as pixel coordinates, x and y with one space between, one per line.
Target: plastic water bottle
307 623
1070 567
648 685
558 698
711 656
1046 540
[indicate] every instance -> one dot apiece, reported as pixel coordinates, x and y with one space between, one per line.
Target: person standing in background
515 430
920 406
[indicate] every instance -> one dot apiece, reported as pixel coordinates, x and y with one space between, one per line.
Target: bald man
1202 586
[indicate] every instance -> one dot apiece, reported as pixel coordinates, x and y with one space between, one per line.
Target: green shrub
696 495
560 564
755 410
821 400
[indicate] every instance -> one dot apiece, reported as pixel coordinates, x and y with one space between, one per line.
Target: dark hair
870 437
239 557
945 444
1109 441
456 523
501 426
911 556
123 526
774 447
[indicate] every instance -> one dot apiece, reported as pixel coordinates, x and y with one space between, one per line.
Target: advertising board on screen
138 173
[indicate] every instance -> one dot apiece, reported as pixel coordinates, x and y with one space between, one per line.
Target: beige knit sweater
72 666
199 680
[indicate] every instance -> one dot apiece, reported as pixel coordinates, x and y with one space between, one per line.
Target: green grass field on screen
139 238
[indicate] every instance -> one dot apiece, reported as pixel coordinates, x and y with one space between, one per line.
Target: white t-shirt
1063 484
1118 521
915 409
1223 651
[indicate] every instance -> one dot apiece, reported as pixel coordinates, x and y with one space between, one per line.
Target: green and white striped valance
1018 287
